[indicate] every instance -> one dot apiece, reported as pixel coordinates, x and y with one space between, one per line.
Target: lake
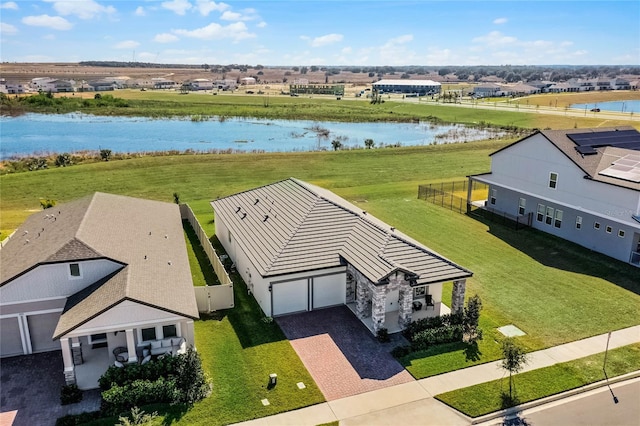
614 106
42 134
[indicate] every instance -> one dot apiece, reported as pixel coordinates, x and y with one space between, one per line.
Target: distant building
419 87
102 85
226 84
47 84
486 90
12 88
201 84
247 80
163 83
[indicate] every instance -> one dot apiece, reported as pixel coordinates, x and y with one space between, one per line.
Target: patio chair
121 353
429 301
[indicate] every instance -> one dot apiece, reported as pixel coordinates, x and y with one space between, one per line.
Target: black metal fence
453 196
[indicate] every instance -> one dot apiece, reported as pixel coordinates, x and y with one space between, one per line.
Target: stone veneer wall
457 296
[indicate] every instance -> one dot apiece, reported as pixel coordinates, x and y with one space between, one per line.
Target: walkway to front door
341 354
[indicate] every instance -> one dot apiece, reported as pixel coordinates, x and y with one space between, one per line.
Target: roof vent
25 232
266 216
238 209
169 263
393 229
26 241
243 215
256 202
145 257
166 236
149 232
364 212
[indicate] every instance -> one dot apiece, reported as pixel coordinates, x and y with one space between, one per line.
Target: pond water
44 134
614 106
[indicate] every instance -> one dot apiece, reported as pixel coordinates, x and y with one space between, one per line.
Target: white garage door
41 328
10 340
289 297
329 291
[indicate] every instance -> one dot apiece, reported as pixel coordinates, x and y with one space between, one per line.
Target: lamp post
604 369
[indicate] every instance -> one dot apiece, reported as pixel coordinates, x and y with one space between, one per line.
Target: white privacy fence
210 298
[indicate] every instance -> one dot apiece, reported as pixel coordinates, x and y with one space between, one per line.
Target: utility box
273 379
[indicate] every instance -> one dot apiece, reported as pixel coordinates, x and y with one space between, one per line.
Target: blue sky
322 32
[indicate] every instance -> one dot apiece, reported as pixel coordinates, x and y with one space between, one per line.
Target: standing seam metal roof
292 226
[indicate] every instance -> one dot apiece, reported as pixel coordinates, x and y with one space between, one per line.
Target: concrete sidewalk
413 403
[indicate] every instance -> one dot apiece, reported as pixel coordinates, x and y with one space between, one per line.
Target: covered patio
391 319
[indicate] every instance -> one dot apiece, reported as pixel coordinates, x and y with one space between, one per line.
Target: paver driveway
30 391
341 354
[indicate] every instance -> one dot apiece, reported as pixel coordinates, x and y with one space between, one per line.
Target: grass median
488 397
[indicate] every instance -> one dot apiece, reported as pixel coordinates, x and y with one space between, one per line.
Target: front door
392 301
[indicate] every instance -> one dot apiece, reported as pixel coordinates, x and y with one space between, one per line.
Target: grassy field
487 397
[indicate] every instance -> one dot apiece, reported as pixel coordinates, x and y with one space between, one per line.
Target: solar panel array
626 168
586 143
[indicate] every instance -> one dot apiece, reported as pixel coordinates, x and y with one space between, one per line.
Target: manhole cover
511 331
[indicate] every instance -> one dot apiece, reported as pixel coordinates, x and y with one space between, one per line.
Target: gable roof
145 236
591 165
292 226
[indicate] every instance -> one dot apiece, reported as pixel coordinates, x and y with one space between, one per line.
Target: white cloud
500 21
347 50
207 6
495 38
53 22
179 7
244 15
140 11
304 37
7 29
395 51
261 24
9 5
49 37
236 31
86 9
326 39
127 44
165 38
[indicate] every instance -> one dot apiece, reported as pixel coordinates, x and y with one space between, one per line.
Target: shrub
70 394
137 417
400 351
78 419
64 160
383 335
191 382
105 154
139 392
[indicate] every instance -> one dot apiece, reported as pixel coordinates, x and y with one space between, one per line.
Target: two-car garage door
308 294
38 330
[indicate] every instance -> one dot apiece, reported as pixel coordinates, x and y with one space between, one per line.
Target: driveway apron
30 391
341 354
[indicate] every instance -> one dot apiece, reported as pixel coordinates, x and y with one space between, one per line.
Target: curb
510 412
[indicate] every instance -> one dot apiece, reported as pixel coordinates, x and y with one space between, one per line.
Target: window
419 291
621 233
522 204
149 333
578 222
74 270
558 222
549 218
169 331
553 180
596 225
97 338
494 195
540 215
608 229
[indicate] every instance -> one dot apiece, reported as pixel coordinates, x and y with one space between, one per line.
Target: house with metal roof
101 278
582 185
300 247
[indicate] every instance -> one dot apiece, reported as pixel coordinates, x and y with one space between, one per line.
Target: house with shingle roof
300 248
582 185
92 275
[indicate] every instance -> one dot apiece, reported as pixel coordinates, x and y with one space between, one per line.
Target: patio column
67 360
361 300
406 305
76 351
457 296
131 346
379 302
186 328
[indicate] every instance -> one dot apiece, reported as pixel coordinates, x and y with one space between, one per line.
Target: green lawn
553 290
201 270
487 397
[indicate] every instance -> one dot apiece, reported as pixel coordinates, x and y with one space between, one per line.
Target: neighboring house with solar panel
582 185
301 248
101 278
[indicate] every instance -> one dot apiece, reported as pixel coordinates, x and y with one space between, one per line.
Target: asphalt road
594 408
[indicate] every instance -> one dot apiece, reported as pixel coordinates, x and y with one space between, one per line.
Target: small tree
369 143
176 198
63 160
191 380
137 417
514 360
336 144
105 154
472 319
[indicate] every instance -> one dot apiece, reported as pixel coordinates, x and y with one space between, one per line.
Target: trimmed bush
70 394
139 392
78 419
120 376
